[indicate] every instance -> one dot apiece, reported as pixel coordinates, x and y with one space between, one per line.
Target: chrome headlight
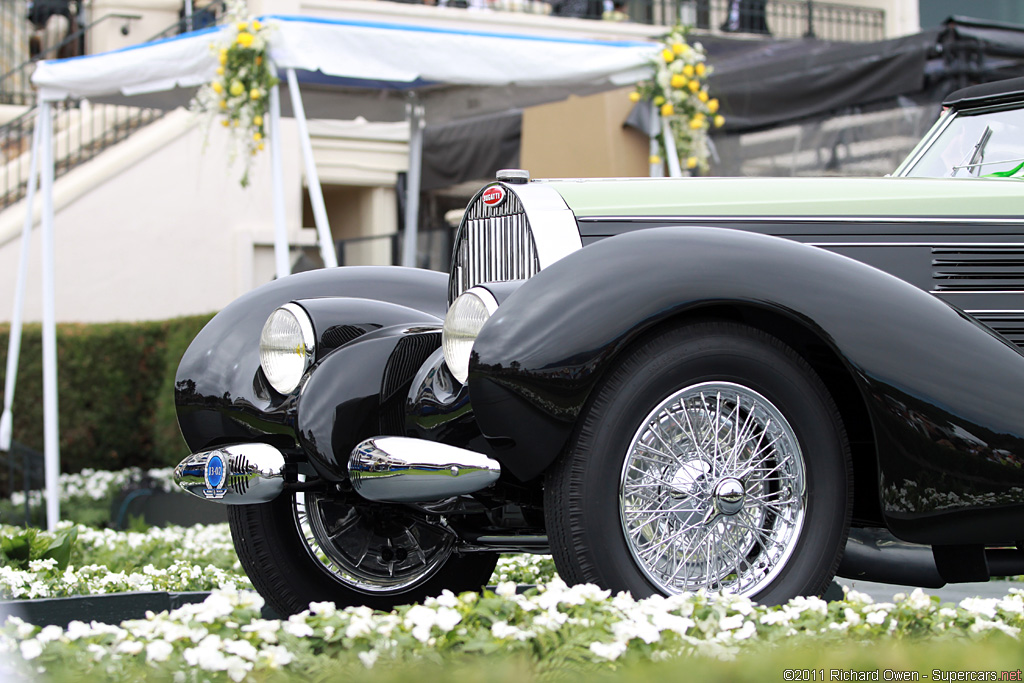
287 346
462 324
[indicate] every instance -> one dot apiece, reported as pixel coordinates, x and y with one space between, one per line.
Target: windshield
976 145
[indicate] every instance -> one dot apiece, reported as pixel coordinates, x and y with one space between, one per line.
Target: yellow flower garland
238 94
679 89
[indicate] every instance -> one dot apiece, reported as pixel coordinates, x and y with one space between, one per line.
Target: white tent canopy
380 71
367 67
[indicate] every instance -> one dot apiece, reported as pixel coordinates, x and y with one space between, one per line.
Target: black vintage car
668 384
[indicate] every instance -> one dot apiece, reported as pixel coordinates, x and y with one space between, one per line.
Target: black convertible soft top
997 92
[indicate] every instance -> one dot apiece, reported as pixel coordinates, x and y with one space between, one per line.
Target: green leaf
60 547
17 548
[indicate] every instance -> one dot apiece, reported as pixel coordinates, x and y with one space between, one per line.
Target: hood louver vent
1009 324
978 269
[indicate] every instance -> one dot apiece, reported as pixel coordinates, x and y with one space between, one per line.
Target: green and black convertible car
738 385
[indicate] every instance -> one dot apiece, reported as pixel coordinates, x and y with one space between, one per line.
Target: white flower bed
96 484
198 558
225 638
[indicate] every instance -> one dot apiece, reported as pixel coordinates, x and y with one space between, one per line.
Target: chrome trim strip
945 119
551 221
530 230
395 469
932 245
976 292
305 327
984 311
485 296
807 219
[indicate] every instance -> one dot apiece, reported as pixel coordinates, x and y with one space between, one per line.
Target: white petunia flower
876 617
744 632
610 651
730 623
276 656
242 648
50 633
265 630
296 627
983 606
30 649
1012 603
158 651
505 589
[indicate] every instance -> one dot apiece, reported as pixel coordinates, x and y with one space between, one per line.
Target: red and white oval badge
493 195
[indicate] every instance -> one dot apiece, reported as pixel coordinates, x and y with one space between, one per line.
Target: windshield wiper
976 155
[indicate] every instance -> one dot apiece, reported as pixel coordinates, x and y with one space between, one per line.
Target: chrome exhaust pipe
394 469
241 474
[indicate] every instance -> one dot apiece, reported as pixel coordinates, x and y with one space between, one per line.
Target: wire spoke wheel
712 491
369 549
712 457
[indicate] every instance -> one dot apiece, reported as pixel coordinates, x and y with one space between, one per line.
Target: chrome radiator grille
494 244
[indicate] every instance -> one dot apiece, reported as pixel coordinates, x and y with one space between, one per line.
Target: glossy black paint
439 409
342 399
220 393
942 392
976 264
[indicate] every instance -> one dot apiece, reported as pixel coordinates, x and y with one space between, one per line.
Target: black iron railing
15 84
777 18
203 15
80 132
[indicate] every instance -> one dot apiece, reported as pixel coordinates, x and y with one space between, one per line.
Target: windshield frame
935 135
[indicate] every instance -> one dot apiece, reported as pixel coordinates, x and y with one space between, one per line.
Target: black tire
286 571
629 466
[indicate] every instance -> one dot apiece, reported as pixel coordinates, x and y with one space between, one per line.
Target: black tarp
763 83
770 83
470 149
766 83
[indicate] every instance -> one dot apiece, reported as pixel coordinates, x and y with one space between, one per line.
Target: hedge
115 390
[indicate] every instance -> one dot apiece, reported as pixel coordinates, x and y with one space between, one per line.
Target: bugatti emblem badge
493 195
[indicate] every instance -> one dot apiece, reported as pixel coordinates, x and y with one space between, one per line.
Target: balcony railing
81 131
778 18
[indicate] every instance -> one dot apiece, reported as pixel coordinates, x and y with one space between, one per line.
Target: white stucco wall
167 233
902 17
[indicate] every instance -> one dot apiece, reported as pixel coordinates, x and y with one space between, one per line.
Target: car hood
792 196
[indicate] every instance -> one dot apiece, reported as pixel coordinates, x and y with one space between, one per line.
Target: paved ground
952 592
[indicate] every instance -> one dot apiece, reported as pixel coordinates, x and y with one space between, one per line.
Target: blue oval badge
215 474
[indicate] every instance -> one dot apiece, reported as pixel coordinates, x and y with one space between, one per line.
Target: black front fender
927 373
218 392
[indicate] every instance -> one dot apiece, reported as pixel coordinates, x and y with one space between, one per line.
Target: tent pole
51 448
14 341
655 169
316 192
412 185
277 186
670 149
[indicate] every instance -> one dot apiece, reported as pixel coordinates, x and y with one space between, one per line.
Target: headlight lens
287 346
462 324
